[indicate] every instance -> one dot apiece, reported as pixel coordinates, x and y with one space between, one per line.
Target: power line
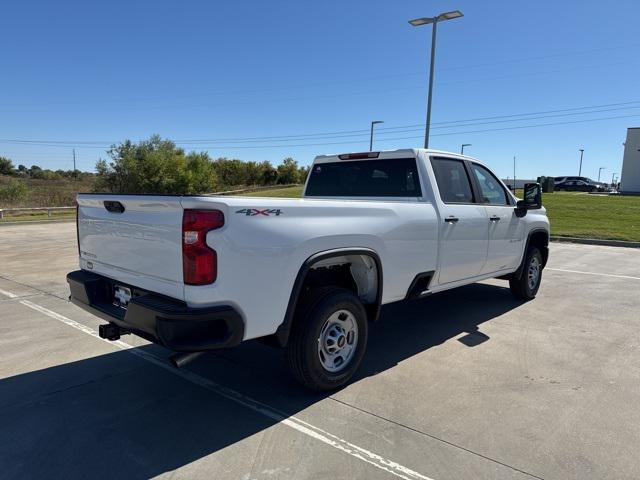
528 126
581 110
407 130
231 147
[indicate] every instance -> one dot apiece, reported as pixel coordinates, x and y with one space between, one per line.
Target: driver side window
492 191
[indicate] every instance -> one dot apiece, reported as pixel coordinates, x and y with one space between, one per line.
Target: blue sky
86 74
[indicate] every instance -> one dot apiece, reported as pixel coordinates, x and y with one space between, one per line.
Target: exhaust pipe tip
179 360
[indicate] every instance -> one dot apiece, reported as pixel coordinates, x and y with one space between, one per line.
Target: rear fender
373 308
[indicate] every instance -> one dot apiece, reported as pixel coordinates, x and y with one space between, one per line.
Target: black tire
302 353
520 286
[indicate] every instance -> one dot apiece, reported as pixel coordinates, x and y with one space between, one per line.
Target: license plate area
121 296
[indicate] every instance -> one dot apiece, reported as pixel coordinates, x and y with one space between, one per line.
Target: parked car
599 186
197 273
567 178
576 186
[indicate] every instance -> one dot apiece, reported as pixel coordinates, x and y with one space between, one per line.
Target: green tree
6 166
288 171
268 174
253 173
155 165
36 172
303 172
203 177
231 172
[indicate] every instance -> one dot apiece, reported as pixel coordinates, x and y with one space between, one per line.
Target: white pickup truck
196 273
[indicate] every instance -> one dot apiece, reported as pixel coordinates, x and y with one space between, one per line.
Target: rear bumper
160 319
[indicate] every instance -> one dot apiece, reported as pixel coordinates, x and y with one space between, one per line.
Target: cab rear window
396 177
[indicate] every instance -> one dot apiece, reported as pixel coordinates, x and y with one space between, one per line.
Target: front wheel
328 339
526 286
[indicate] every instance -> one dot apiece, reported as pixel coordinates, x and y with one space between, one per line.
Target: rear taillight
199 261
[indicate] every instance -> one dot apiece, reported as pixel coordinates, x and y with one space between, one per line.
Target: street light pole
375 122
600 170
580 169
430 94
462 147
426 21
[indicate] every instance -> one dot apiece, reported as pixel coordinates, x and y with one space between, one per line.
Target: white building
630 177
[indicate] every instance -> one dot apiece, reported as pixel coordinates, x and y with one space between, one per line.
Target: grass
608 217
48 193
26 217
287 192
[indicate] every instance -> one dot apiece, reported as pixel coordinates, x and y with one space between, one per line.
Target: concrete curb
31 222
595 241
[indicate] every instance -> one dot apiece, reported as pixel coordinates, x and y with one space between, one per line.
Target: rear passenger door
463 231
505 229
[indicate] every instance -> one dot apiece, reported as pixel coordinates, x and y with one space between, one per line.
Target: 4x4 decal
252 212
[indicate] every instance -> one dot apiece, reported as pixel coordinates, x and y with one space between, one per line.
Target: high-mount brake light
199 261
358 156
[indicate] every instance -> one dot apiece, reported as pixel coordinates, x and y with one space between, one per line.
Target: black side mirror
532 199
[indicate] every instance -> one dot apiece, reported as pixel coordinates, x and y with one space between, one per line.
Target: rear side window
492 191
453 181
396 177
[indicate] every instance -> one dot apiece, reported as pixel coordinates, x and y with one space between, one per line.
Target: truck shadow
119 416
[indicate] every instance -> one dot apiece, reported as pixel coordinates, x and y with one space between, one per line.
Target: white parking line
593 273
291 421
8 294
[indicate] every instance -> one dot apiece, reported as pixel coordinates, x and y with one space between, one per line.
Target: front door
506 230
463 238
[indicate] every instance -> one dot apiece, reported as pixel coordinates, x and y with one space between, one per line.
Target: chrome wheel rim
533 273
337 341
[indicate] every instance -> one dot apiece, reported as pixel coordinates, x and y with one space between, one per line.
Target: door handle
494 218
451 219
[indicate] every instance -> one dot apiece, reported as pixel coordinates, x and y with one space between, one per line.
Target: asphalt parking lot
465 384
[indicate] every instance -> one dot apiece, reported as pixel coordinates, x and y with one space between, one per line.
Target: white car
196 273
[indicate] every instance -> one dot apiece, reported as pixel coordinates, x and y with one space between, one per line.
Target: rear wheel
526 286
328 339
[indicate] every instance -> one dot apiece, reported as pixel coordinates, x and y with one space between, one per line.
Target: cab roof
387 154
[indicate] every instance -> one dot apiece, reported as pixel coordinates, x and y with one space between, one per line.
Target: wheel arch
538 237
306 271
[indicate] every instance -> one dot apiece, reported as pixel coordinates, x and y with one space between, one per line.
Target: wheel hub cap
533 273
337 341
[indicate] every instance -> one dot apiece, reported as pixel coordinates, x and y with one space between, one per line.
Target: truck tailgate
135 239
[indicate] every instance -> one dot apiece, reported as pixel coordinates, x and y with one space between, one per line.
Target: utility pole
580 169
375 122
514 173
600 170
74 162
